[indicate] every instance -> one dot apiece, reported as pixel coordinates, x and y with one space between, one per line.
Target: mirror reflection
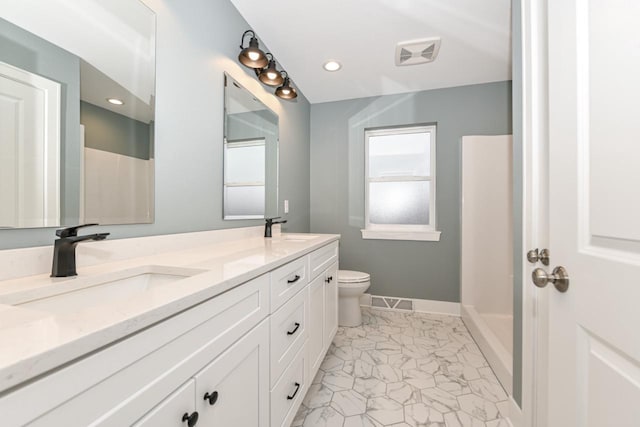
250 155
76 113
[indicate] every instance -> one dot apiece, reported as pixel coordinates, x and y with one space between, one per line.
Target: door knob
559 277
534 256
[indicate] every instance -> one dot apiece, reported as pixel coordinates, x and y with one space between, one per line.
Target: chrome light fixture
286 91
265 67
270 75
252 56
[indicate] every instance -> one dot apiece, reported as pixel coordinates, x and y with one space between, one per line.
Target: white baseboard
439 307
421 305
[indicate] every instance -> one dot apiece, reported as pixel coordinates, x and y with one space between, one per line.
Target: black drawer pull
191 420
294 280
297 325
329 279
212 398
295 392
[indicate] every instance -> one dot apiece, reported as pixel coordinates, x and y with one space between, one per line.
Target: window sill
424 236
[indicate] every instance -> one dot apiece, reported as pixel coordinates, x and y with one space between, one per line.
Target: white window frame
252 142
403 231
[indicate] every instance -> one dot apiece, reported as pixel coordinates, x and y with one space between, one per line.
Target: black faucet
64 249
269 223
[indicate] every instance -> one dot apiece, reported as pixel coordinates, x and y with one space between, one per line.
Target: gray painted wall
24 50
107 131
518 250
196 42
428 270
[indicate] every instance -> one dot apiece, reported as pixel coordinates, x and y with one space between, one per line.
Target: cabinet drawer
233 390
287 281
169 412
119 384
321 259
288 333
288 393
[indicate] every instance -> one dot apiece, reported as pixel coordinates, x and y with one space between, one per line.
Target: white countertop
33 342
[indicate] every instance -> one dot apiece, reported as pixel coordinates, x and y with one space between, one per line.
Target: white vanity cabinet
302 328
117 385
244 358
230 391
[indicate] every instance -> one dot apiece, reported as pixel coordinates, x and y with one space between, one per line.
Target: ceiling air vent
417 51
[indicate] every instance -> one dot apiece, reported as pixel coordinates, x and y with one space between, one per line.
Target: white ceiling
362 35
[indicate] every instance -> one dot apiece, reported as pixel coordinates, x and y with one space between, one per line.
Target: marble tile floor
404 369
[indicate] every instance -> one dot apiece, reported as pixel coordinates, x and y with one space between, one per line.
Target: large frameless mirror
77 93
250 155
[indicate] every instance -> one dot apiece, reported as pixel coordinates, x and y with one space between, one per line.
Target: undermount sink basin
298 237
84 292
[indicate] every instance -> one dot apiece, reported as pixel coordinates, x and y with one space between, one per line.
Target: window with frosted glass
400 181
244 185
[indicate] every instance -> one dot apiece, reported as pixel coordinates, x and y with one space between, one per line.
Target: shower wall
487 248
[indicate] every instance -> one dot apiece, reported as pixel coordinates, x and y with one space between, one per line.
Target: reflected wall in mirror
67 154
250 155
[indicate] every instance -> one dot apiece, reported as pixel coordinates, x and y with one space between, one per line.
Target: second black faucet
269 223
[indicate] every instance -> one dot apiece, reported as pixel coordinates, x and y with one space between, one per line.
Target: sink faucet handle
71 231
271 220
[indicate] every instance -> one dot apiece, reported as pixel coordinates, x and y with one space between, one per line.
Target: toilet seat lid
349 276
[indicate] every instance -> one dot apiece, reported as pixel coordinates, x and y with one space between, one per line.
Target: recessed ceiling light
115 101
332 65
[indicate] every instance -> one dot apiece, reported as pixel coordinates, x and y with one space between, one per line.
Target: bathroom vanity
228 329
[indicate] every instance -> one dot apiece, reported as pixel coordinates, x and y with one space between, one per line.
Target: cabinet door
315 344
174 411
330 304
234 389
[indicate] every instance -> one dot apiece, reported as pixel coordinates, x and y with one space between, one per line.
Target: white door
29 149
594 212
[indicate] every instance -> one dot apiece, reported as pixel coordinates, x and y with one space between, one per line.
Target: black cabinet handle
212 398
297 325
329 279
294 280
295 392
191 420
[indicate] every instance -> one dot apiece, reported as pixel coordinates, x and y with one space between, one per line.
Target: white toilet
351 286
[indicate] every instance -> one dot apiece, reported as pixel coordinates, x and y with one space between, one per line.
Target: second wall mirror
250 155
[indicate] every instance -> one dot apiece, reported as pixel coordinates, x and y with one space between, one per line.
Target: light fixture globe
252 56
286 91
270 75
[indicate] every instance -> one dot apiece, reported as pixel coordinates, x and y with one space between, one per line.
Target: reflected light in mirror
115 101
